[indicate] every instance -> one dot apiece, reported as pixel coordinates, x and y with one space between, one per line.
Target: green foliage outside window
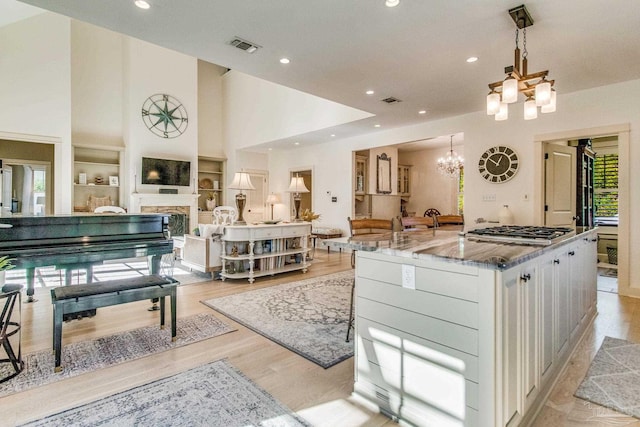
605 179
461 192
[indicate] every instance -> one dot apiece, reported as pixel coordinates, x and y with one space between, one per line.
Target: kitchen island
456 332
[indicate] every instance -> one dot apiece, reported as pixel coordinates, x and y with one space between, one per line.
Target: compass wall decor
164 115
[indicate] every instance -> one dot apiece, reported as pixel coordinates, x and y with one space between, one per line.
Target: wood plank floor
322 396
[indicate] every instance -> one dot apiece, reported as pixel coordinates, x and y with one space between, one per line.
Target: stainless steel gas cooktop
521 234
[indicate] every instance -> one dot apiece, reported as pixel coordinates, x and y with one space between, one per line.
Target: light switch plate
408 276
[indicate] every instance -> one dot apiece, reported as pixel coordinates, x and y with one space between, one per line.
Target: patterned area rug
85 356
613 379
308 317
215 394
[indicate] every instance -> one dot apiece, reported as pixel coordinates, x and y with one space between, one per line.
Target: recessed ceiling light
332 135
296 143
472 59
270 148
284 60
391 3
422 112
369 92
142 4
376 126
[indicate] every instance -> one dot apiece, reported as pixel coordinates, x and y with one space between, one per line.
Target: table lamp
296 187
272 199
241 181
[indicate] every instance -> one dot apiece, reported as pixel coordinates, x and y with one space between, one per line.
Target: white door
5 188
560 185
255 210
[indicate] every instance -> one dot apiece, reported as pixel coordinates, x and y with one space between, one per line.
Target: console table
250 251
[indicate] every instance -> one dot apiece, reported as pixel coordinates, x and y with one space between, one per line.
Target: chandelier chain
524 44
517 37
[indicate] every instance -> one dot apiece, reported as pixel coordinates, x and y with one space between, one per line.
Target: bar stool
10 327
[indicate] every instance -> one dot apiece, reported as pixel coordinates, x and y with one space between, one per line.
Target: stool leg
162 312
351 319
174 296
57 337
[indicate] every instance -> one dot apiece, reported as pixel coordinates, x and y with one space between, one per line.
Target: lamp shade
551 106
510 90
493 103
241 181
272 199
543 93
530 109
297 185
503 114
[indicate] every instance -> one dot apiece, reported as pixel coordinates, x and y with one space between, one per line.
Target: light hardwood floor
322 396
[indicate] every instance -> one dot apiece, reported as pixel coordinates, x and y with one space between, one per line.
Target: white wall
210 142
35 66
96 85
149 70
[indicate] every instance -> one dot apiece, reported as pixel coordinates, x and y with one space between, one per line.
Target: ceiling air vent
391 100
244 45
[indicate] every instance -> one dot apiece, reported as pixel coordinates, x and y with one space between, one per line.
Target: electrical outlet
408 276
489 197
334 199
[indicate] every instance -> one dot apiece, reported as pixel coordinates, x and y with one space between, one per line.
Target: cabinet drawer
266 233
295 231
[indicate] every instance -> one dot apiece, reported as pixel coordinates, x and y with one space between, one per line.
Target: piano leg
30 273
154 268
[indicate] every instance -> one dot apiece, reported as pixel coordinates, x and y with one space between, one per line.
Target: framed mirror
383 174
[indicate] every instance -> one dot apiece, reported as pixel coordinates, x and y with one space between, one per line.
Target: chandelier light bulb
493 103
551 106
503 114
451 164
543 93
530 109
510 90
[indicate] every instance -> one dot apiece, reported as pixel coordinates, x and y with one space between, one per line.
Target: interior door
5 188
560 185
255 210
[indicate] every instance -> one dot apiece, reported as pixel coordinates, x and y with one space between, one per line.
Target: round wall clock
164 115
498 164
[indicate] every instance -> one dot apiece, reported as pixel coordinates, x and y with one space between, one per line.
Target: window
461 192
605 180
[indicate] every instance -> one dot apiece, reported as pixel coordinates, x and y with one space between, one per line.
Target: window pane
605 178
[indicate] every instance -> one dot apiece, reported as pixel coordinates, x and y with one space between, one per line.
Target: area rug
216 394
308 317
613 379
85 356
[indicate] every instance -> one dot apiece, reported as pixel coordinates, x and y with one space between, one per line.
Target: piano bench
72 299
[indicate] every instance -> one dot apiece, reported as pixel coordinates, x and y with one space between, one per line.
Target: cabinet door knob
595 239
556 261
525 277
571 253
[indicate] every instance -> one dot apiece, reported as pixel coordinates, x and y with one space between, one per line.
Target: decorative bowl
273 221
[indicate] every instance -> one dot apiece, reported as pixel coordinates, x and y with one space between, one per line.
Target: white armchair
202 253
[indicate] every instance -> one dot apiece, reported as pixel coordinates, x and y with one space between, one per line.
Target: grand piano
80 241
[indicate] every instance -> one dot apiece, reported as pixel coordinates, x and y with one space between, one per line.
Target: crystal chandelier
451 164
535 87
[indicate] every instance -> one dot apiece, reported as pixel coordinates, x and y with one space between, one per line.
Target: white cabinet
491 340
360 179
97 173
404 180
210 187
520 334
252 251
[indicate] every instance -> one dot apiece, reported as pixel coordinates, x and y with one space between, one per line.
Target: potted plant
5 264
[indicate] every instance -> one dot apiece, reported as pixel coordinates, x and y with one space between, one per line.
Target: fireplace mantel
156 199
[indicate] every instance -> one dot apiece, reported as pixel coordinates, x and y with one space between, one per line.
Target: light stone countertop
451 246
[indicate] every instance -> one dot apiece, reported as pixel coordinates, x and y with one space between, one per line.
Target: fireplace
182 207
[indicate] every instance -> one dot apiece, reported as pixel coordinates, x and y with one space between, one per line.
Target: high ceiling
415 52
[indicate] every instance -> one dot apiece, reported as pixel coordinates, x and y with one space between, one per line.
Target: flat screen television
166 172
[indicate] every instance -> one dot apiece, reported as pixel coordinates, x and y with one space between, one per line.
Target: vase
257 249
